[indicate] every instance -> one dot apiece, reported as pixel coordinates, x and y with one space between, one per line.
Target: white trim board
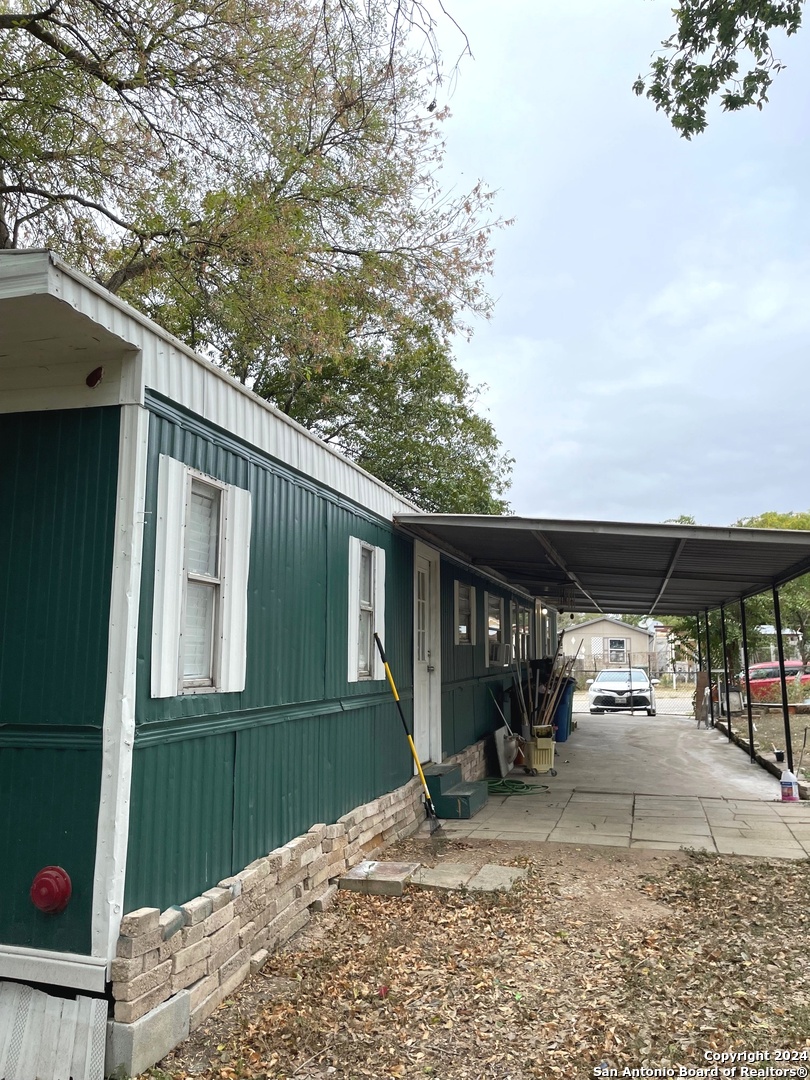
118 738
60 969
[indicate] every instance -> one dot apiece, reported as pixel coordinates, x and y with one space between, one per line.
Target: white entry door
427 685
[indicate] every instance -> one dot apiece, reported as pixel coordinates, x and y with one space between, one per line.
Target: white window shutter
235 568
169 576
379 610
354 607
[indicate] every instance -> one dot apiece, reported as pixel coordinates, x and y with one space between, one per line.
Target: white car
622 689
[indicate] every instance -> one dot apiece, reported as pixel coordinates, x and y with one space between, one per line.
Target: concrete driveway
648 782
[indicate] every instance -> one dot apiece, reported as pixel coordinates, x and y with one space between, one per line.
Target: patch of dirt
624 958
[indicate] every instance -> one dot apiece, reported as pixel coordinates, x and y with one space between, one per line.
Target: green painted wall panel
49 809
305 745
58 475
180 840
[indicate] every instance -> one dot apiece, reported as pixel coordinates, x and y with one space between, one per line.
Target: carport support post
699 643
709 664
725 669
777 618
744 632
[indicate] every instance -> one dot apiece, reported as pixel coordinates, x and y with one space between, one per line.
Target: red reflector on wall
51 889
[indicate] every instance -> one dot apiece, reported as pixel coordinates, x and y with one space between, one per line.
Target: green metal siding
49 808
300 744
58 474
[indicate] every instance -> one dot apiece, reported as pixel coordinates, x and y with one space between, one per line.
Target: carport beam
744 632
725 668
777 618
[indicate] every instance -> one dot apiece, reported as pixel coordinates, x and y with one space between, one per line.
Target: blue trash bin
563 710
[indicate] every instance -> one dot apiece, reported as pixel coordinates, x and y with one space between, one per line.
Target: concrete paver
649 783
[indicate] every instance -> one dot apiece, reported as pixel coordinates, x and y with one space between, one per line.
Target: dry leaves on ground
626 958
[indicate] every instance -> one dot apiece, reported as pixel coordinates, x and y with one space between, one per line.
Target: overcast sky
648 353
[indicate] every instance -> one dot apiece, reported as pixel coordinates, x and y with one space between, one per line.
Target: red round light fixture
51 890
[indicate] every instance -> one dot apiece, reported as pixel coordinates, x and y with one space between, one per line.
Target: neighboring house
196 730
608 643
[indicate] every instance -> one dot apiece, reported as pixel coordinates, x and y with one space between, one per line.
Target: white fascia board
60 969
118 733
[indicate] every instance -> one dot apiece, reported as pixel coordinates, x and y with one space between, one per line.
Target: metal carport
612 566
633 568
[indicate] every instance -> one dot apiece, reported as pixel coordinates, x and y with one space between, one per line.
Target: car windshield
634 675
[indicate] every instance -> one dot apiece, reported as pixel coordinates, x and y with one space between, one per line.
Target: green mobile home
197 735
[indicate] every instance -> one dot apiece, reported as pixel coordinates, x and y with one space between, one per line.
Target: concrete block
202 989
128 1011
292 873
379 878
189 975
248 905
325 900
318 830
333 832
317 865
124 970
197 910
129 947
233 884
219 897
253 876
171 921
278 859
133 1048
247 933
229 932
184 958
258 960
142 921
237 961
190 935
142 984
302 843
220 917
223 954
292 927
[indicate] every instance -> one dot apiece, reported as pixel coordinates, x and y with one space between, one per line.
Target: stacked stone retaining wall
207 946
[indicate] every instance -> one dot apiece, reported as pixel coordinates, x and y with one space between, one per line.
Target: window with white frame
366 609
464 613
497 649
616 648
202 558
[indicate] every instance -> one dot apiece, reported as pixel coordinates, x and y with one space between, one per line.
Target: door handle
431 667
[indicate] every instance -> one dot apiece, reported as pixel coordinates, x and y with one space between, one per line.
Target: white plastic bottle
790 787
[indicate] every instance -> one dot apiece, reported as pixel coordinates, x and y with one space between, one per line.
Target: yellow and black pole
431 809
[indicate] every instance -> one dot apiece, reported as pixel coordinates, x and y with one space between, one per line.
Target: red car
764 679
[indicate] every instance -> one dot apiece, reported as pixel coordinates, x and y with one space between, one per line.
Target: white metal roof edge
46 278
615 528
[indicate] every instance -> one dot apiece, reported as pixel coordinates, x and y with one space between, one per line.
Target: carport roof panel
624 567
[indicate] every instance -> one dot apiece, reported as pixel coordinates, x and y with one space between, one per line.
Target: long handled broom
432 816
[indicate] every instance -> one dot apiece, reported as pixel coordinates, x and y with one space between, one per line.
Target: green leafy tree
262 179
794 597
720 48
